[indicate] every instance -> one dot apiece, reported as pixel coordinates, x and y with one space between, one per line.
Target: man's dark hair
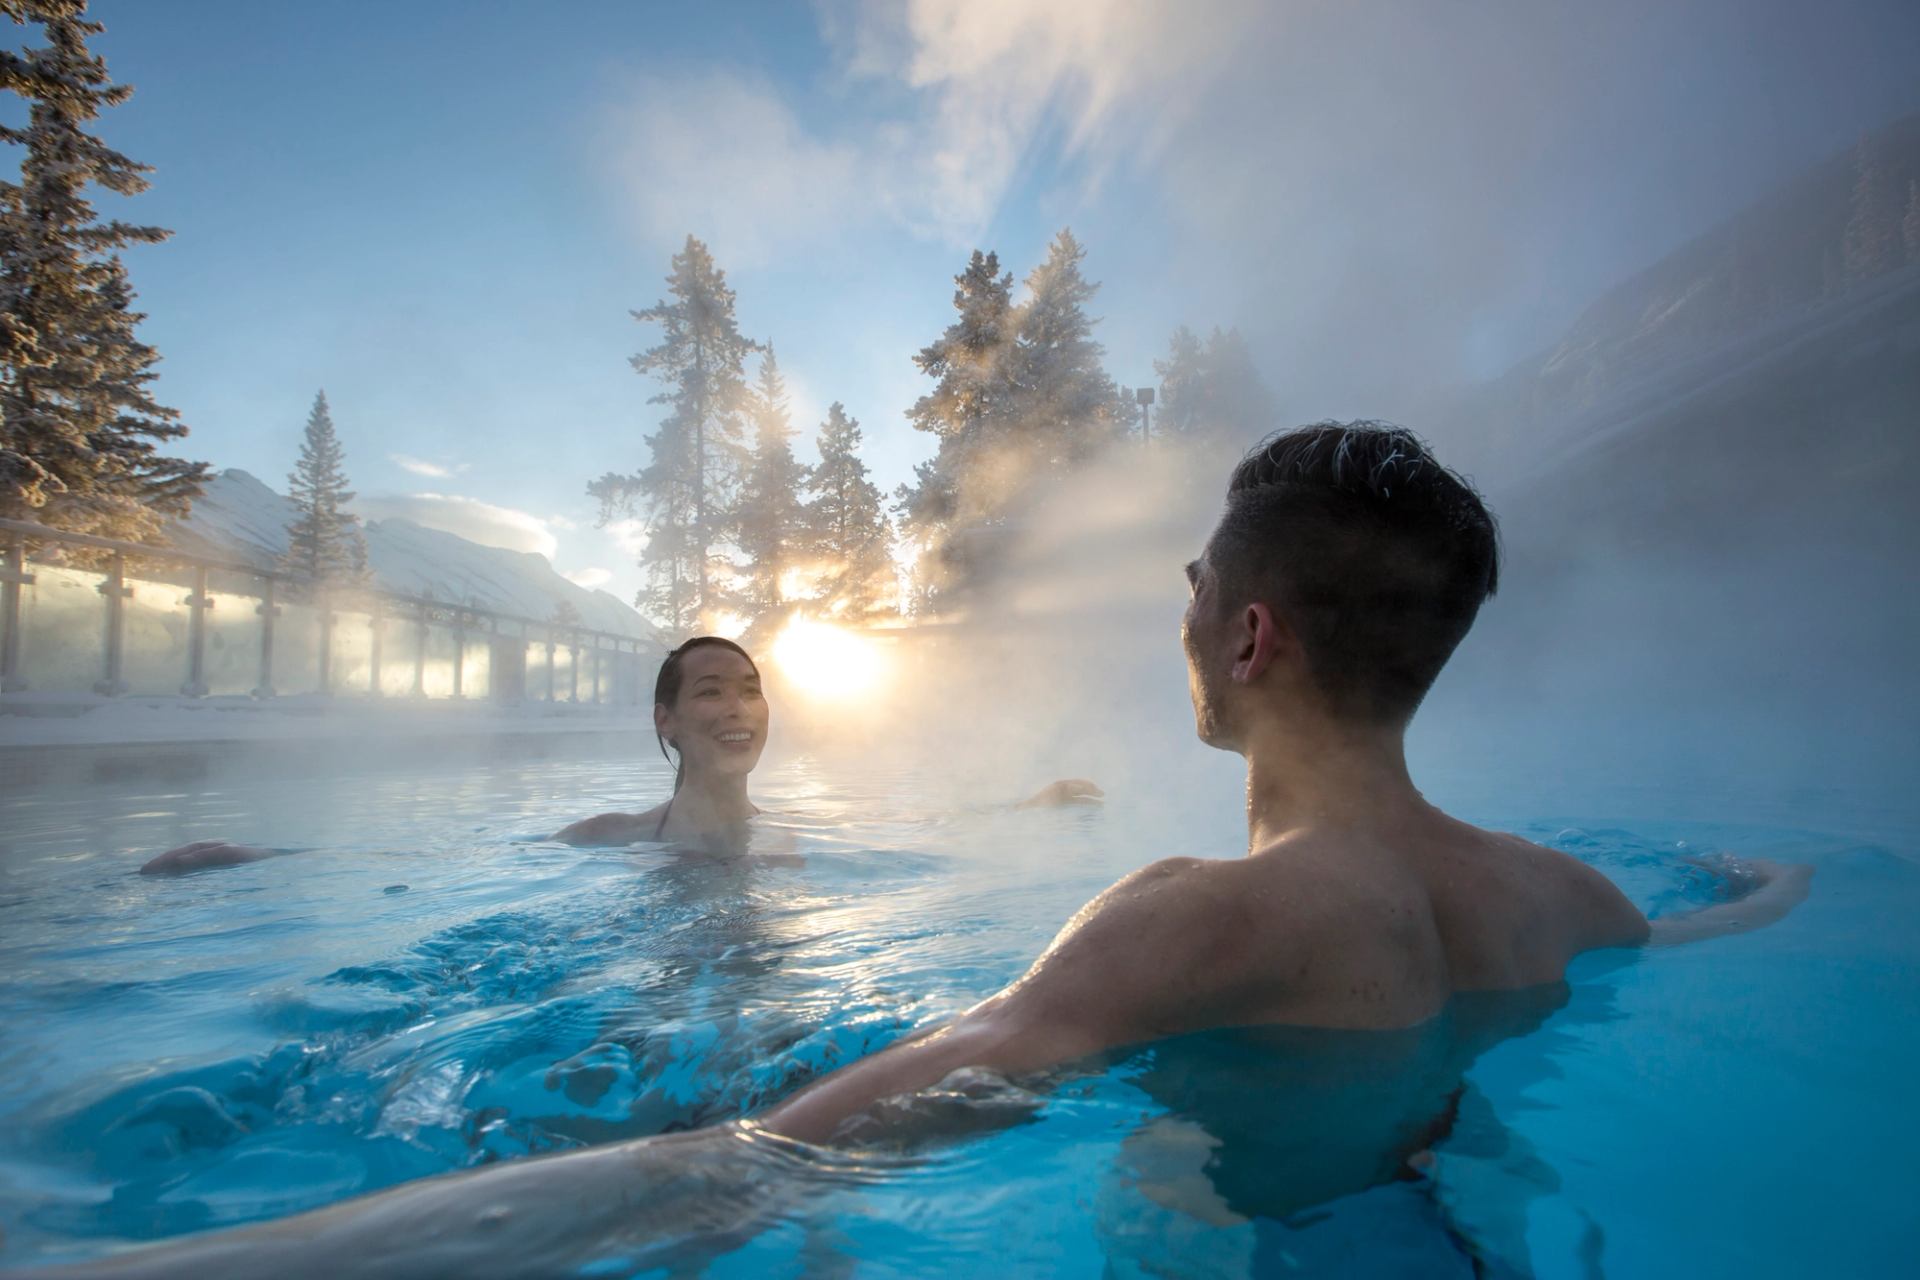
1375 554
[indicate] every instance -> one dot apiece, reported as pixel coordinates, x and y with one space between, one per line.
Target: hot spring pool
428 987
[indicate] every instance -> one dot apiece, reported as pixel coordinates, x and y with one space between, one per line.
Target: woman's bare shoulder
612 828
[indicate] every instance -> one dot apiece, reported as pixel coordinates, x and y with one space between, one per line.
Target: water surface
430 986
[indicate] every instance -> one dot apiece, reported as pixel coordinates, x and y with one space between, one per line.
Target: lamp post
1144 398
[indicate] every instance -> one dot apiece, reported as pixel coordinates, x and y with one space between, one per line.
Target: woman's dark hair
666 685
1377 555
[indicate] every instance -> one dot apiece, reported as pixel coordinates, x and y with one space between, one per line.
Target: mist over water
1709 624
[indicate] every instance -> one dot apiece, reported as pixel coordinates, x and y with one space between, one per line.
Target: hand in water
1065 791
1743 876
1758 892
1792 877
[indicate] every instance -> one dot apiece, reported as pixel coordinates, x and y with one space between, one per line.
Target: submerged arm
1771 889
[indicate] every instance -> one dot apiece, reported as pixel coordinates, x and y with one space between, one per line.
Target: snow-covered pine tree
1870 245
324 544
1182 385
973 397
1067 403
849 528
1212 390
78 425
1241 407
970 407
687 492
772 519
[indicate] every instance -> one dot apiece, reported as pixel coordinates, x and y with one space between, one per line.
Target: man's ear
1259 637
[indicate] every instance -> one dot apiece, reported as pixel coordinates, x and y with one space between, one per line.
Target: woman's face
719 720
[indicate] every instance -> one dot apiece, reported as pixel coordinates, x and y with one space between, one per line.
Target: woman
708 711
708 708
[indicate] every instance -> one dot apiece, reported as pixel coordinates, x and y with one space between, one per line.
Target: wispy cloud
629 535
470 518
724 154
421 467
961 90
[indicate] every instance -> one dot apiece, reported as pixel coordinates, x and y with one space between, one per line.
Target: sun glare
821 660
726 622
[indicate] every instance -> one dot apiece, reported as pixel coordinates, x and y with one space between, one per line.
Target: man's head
1346 568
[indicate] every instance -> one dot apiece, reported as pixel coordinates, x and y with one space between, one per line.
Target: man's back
1350 928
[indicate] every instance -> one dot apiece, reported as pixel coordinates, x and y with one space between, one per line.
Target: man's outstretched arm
1771 889
1105 981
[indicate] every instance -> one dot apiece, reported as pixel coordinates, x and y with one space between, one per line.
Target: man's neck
1319 773
710 804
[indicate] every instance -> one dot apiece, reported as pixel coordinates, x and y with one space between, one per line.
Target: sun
824 661
727 623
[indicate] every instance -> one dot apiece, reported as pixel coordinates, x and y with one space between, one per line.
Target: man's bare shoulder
1154 923
612 828
1592 907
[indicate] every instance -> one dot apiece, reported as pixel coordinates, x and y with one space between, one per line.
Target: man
1346 568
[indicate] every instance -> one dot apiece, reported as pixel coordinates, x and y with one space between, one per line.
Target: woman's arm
610 829
202 854
1065 791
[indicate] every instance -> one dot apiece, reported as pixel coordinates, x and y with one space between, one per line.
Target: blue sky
443 212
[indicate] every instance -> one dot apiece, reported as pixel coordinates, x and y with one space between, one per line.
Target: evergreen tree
849 528
1182 385
1020 393
1910 226
974 397
1067 405
688 490
1241 408
1870 245
78 424
323 541
1212 389
771 516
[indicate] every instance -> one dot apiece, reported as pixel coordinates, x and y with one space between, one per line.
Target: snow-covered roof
238 517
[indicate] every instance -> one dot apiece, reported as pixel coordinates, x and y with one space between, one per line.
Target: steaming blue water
425 988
